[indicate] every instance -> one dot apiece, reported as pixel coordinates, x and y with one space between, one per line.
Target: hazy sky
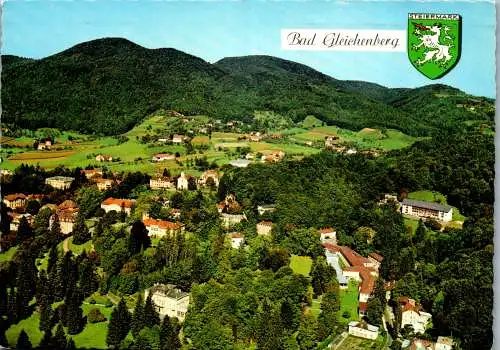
215 29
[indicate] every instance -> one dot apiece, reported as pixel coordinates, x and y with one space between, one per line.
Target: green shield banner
434 42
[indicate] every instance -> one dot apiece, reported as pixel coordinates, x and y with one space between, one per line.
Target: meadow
72 149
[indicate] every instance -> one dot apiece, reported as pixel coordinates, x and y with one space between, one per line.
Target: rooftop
127 203
167 225
60 178
14 196
169 290
427 205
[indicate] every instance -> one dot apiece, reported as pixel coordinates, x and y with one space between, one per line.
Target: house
250 155
6 172
229 220
255 136
160 182
160 228
162 140
266 208
92 173
44 144
273 157
209 174
240 163
169 300
118 205
357 267
160 157
178 138
264 228
183 181
376 259
175 213
15 200
430 210
331 141
413 315
363 330
36 197
444 343
16 218
104 184
328 234
389 198
229 205
60 182
104 158
333 260
351 151
66 213
237 240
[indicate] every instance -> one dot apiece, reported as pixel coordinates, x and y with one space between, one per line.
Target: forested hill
106 86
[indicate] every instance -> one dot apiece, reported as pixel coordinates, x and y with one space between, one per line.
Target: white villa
169 300
413 315
363 330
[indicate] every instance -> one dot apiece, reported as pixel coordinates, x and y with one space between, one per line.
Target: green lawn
301 264
355 343
7 255
411 223
78 249
30 326
316 306
349 303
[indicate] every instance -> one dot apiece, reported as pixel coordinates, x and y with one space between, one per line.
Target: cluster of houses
208 178
176 139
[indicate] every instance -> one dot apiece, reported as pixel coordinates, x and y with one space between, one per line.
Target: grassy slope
7 255
301 264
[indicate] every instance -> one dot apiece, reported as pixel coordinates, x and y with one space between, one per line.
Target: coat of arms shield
434 42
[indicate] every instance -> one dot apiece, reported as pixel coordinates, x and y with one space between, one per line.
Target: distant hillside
107 86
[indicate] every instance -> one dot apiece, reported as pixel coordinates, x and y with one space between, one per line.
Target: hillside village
77 209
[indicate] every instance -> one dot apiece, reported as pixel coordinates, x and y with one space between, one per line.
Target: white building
266 208
161 182
237 240
118 205
169 300
229 220
425 210
414 316
328 234
59 182
363 330
160 228
264 228
183 181
240 163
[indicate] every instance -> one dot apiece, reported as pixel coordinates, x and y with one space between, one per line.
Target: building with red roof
118 205
160 228
15 200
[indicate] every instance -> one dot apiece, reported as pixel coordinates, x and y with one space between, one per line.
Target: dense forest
107 86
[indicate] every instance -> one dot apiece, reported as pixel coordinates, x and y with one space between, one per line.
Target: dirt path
66 245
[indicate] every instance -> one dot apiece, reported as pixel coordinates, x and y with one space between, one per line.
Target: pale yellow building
59 182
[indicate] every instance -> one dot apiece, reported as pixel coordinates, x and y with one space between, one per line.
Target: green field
301 264
349 303
412 223
7 255
135 156
355 343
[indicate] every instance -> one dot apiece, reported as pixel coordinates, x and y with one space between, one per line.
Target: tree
166 172
59 339
304 242
139 238
151 317
23 341
322 274
32 207
55 228
52 262
169 335
307 334
46 316
81 233
275 258
420 232
46 343
119 325
71 344
95 316
330 305
270 332
374 312
137 322
75 314
89 200
23 231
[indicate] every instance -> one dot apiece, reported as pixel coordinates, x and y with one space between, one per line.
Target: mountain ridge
108 85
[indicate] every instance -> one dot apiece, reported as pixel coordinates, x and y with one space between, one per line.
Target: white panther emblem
434 51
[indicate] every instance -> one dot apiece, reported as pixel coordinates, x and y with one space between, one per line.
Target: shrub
92 301
95 315
346 314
